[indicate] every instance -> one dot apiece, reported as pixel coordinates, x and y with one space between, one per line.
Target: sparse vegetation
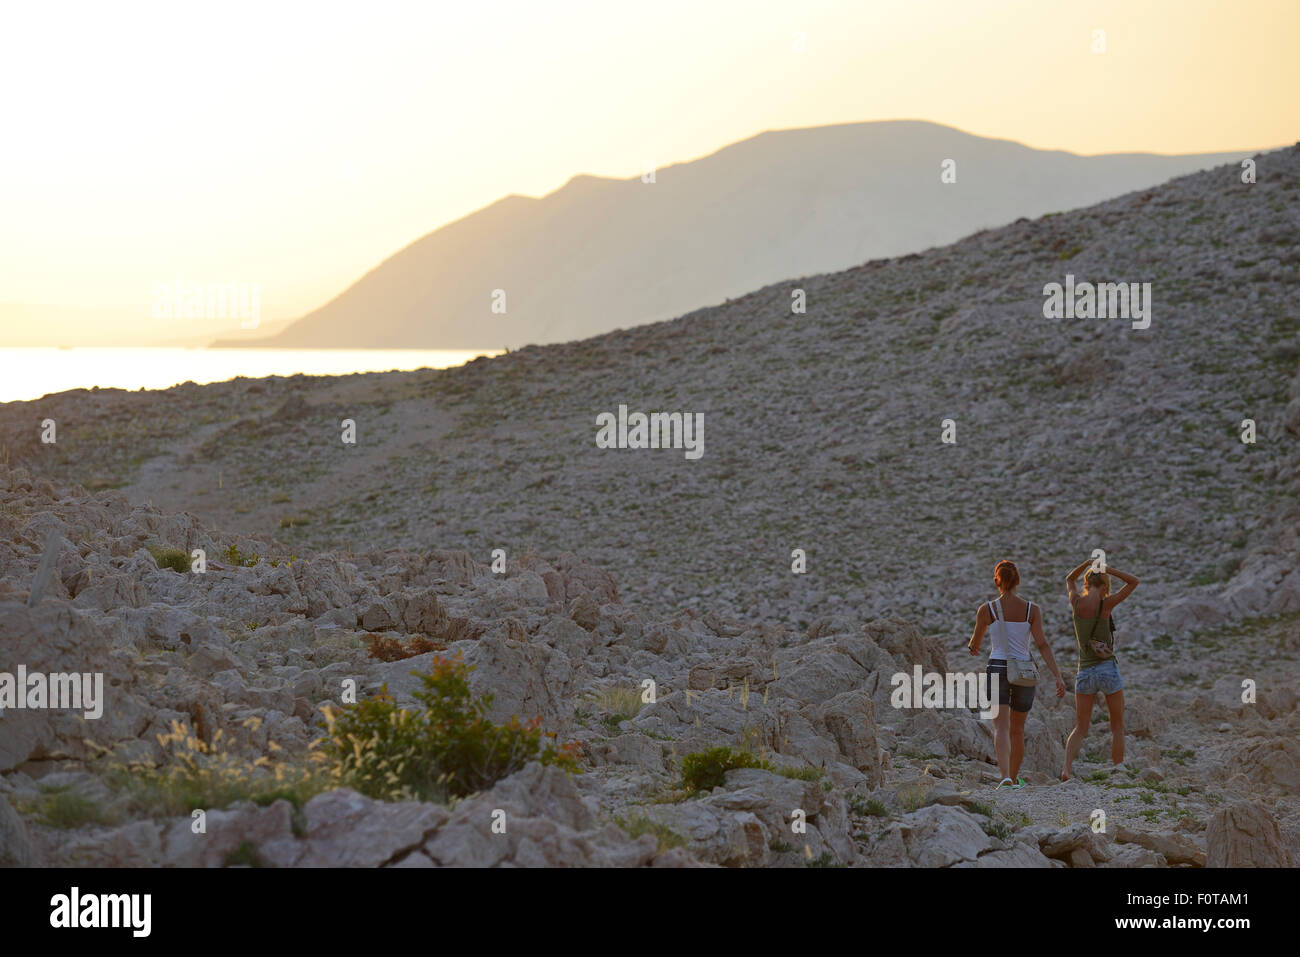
246 855
241 559
825 859
802 773
706 770
173 558
448 749
639 824
201 774
867 807
913 797
616 705
60 806
390 648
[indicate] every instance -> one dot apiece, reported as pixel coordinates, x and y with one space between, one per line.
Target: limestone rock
1245 834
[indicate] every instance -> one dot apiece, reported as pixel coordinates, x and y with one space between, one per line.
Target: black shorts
1020 697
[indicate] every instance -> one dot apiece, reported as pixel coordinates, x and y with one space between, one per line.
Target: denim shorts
1103 677
1020 697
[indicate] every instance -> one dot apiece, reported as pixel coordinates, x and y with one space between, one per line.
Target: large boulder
534 818
347 829
525 679
572 577
934 836
849 720
1078 846
1271 763
1177 849
235 834
56 639
1245 834
757 816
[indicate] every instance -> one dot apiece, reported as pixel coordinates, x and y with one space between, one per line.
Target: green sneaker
1004 783
1020 783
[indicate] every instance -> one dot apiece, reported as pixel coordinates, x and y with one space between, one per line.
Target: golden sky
296 145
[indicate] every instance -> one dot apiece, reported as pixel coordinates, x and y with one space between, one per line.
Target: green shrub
59 806
245 560
705 770
864 807
640 824
995 827
246 855
450 749
173 558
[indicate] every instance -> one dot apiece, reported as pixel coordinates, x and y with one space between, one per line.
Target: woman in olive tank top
1098 670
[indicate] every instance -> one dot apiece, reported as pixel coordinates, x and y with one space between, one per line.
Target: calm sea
29 373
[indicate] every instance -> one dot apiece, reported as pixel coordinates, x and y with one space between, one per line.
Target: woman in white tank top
1013 623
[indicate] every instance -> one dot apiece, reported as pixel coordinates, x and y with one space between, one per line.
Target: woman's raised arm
1071 580
1130 583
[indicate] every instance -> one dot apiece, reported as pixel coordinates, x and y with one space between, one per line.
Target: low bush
449 749
61 807
173 558
706 770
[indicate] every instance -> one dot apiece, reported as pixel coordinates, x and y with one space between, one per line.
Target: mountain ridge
777 204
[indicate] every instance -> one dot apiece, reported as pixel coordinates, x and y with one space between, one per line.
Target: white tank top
1010 638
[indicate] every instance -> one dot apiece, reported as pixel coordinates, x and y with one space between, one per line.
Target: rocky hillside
823 433
241 658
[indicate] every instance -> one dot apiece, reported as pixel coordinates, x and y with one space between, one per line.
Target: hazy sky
296 145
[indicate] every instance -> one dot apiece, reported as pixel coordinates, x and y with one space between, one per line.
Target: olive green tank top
1085 633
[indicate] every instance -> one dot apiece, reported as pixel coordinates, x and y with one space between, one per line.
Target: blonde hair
1099 581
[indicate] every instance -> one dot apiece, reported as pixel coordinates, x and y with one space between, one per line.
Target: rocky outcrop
1245 834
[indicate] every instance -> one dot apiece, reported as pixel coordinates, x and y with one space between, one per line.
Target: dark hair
1005 575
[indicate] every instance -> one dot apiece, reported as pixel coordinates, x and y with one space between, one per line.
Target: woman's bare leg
1115 704
1017 741
1002 739
1082 715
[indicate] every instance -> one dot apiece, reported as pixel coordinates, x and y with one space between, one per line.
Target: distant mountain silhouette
600 254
